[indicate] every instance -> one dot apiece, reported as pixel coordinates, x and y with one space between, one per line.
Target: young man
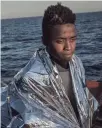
51 87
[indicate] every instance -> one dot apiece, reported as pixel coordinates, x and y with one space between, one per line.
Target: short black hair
56 15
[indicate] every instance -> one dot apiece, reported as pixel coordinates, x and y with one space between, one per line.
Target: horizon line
42 16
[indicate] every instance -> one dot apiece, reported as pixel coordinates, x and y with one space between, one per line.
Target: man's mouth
67 53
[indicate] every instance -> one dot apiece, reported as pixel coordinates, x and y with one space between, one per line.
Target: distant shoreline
42 16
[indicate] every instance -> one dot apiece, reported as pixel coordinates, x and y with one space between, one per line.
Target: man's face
62 42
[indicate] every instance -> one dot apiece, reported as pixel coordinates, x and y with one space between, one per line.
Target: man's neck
62 63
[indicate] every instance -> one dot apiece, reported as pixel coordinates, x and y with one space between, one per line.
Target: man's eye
73 39
59 41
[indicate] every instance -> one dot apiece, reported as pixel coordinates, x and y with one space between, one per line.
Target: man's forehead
61 25
64 27
58 30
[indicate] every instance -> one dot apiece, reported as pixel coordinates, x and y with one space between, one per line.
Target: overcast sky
15 9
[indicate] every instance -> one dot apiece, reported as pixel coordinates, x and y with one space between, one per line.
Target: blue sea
22 36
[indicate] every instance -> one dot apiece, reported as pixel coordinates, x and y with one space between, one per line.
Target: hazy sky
14 9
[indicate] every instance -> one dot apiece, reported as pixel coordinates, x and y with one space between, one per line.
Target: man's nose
67 45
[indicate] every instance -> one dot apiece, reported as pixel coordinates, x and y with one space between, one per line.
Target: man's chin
67 58
63 58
